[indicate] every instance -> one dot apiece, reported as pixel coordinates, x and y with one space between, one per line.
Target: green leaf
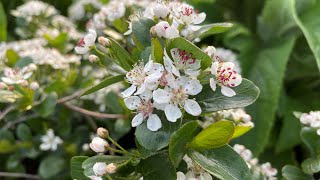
89 163
210 29
47 107
290 172
179 140
240 130
76 167
141 30
156 50
311 139
9 96
267 73
188 46
309 23
3 24
157 167
105 83
212 101
51 166
12 57
223 163
155 141
24 132
22 62
311 165
145 153
123 57
216 135
58 42
6 146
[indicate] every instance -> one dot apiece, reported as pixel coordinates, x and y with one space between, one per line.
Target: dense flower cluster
311 119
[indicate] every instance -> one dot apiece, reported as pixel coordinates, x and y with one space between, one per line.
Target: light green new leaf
3 24
179 140
212 101
216 135
210 29
76 167
121 55
12 57
188 46
290 172
105 83
240 130
156 50
223 163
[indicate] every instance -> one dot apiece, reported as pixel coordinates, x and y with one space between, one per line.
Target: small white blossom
16 76
163 29
268 171
226 77
34 8
114 10
311 119
160 10
144 107
100 168
50 141
86 42
99 145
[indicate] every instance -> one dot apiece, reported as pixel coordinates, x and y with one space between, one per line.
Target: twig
22 119
19 175
6 111
92 113
70 97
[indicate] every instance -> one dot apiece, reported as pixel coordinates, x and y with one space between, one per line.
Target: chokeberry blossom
145 107
114 10
194 171
160 10
226 77
163 29
50 141
175 96
143 77
311 119
100 168
182 62
99 145
86 42
18 76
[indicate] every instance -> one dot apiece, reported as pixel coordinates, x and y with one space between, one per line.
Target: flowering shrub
140 89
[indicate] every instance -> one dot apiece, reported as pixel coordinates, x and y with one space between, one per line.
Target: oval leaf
76 169
210 29
240 130
311 165
141 30
294 173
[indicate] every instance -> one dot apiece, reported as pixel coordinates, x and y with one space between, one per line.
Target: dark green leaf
216 135
123 57
105 83
179 140
145 153
22 62
51 166
294 173
47 107
210 29
141 30
24 132
223 163
76 167
311 139
311 165
212 101
190 48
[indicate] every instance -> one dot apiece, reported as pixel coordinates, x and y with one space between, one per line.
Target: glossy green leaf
105 83
121 55
311 165
141 30
309 23
12 57
156 50
47 107
89 163
188 46
157 167
290 172
223 163
216 135
51 166
210 29
3 24
180 138
76 167
24 132
145 153
212 101
240 130
311 139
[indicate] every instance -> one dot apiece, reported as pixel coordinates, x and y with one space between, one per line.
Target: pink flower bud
93 58
34 86
102 132
100 168
111 168
104 41
99 145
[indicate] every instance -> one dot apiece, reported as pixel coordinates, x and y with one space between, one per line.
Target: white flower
98 145
176 96
100 168
144 107
114 10
182 61
163 29
160 10
229 56
16 76
34 86
50 141
86 42
95 178
311 119
268 171
34 8
143 77
226 77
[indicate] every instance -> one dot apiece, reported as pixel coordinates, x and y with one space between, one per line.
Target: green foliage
156 50
51 166
294 173
141 30
105 83
3 24
8 96
24 132
240 130
76 167
311 165
12 57
121 55
47 107
311 139
210 29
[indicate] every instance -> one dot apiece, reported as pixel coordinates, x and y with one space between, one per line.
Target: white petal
214 68
193 87
213 84
192 107
45 146
154 122
205 176
81 50
159 106
137 120
181 176
161 27
147 95
168 64
27 75
171 81
194 28
227 91
200 18
132 102
161 96
128 92
171 33
90 38
8 80
192 73
148 66
140 89
227 65
172 112
211 51
235 80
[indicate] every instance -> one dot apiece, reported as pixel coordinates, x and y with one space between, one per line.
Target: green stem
98 51
108 177
116 144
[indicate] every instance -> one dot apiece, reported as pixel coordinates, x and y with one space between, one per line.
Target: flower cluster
265 169
194 171
311 119
18 76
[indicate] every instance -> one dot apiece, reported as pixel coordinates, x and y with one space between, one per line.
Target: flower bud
11 88
104 41
24 83
111 168
3 85
153 32
99 145
32 67
34 86
100 168
95 178
211 51
102 132
160 11
93 58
